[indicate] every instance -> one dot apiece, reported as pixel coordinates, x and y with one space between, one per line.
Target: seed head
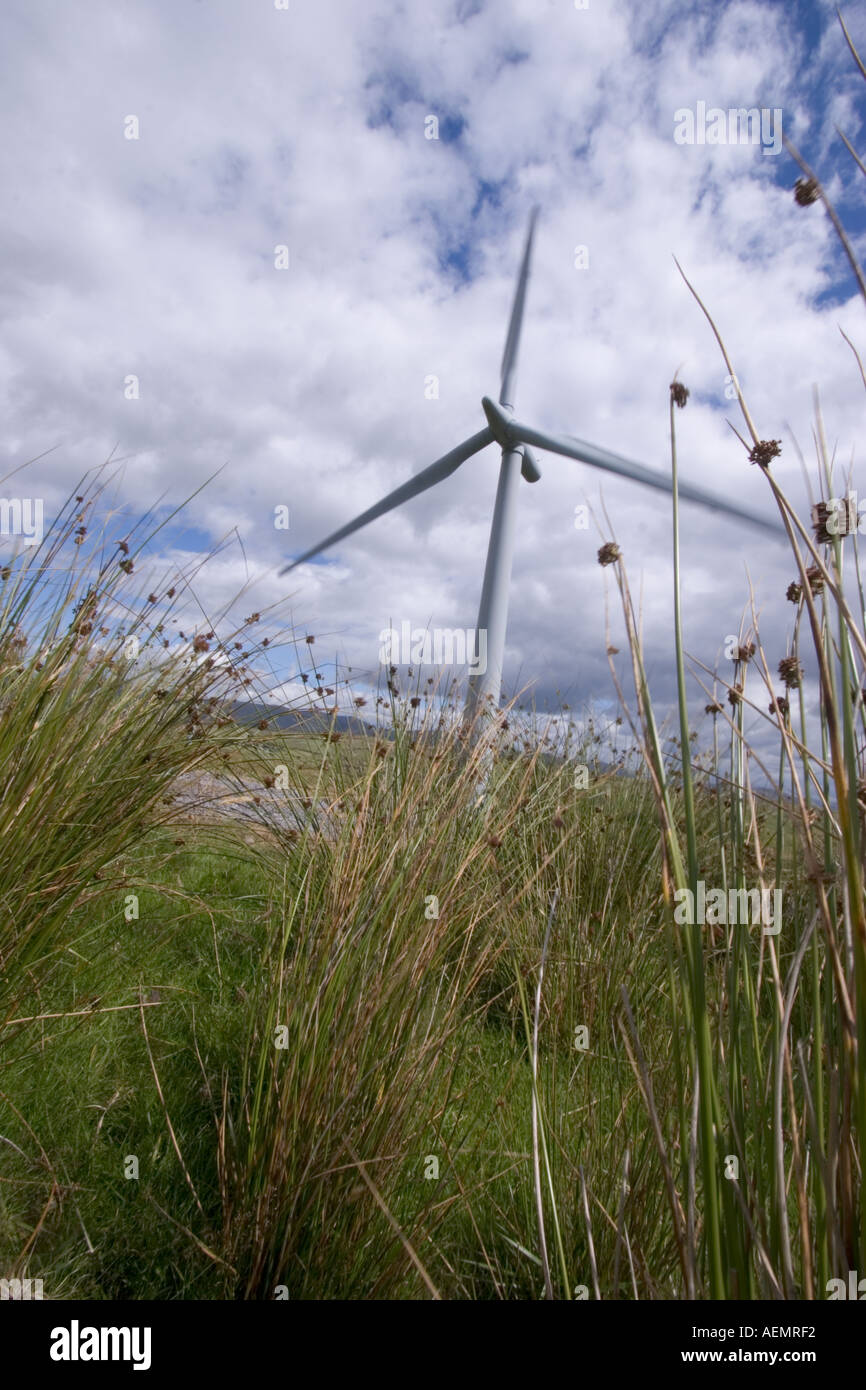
791 672
821 513
806 192
764 451
609 553
815 578
679 394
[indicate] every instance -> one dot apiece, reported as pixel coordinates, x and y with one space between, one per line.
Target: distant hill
252 712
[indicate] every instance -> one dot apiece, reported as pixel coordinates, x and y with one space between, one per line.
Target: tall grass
401 1106
93 731
774 1065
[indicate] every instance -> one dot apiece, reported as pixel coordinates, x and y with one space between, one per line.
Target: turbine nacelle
503 431
529 468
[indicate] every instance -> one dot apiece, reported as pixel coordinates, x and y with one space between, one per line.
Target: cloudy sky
158 154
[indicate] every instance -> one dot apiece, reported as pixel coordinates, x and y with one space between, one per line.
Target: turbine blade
512 342
427 478
614 463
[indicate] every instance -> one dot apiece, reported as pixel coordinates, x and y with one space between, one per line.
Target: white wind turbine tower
514 439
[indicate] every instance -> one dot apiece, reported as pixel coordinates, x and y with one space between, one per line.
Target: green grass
87 1091
386 1146
90 1100
304 1167
306 756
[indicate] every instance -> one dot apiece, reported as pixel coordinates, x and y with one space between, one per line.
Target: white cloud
155 257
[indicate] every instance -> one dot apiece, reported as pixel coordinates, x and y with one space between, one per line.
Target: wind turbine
514 440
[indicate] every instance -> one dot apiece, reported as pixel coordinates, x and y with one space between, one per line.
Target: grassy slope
87 1090
88 1093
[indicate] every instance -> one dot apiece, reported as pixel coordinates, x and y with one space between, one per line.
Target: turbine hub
499 423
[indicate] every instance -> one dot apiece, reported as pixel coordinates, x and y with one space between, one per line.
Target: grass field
85 1091
162 1140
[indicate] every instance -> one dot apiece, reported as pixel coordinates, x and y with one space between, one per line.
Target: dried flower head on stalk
815 578
821 513
609 553
679 394
791 672
806 192
765 451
